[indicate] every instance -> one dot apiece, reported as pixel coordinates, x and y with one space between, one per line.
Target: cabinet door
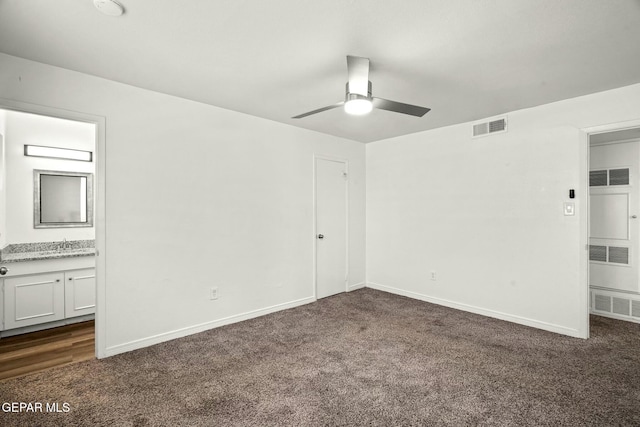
80 292
29 300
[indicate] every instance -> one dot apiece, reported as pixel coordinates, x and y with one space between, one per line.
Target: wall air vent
604 177
635 308
621 306
487 128
603 303
618 255
598 178
597 253
619 176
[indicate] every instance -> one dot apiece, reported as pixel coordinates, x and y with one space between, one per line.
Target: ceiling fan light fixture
358 99
358 106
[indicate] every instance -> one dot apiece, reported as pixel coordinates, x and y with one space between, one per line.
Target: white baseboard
183 332
356 286
479 310
614 316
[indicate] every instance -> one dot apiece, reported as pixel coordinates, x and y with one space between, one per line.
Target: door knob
320 236
634 216
3 271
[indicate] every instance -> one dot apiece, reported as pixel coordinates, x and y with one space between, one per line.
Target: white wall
196 196
34 129
486 214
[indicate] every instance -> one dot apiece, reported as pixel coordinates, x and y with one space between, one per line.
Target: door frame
99 199
584 206
317 157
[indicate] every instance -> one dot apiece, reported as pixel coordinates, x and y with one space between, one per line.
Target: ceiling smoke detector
109 7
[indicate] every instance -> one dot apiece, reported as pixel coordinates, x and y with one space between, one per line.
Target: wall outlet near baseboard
433 275
214 293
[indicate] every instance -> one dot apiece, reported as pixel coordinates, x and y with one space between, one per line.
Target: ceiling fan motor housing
350 95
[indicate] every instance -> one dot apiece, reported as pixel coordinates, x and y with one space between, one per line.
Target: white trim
183 332
99 200
583 239
357 286
315 230
629 124
482 311
615 316
330 158
620 141
317 157
605 289
347 179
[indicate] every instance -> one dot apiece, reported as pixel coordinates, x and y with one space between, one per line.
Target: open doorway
49 197
614 223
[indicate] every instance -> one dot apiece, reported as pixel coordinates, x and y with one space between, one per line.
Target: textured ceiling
465 59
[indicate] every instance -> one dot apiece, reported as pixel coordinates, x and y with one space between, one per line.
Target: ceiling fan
358 99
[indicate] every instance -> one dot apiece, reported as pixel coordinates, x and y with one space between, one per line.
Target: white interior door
613 216
331 227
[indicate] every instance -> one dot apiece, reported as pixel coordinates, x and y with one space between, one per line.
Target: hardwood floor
42 350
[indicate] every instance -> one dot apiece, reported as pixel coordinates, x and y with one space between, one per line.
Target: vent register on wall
490 127
612 304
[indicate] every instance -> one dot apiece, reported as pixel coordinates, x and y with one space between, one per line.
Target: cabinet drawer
33 299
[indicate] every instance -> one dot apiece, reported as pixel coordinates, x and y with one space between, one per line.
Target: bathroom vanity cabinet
40 292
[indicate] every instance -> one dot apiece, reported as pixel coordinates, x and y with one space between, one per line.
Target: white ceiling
465 59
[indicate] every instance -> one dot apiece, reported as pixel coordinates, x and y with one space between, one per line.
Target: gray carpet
363 358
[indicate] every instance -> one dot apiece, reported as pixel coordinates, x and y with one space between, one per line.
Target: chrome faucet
64 245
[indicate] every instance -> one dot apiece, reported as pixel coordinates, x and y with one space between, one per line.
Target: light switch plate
569 208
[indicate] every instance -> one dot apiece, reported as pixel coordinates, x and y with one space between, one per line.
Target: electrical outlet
214 293
433 275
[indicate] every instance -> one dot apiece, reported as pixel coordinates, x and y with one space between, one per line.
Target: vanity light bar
58 153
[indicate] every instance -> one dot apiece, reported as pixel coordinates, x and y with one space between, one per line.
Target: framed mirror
62 199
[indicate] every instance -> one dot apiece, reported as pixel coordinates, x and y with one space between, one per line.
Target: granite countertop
21 252
35 256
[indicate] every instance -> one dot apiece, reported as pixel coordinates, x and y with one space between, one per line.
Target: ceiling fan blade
358 69
319 110
399 107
